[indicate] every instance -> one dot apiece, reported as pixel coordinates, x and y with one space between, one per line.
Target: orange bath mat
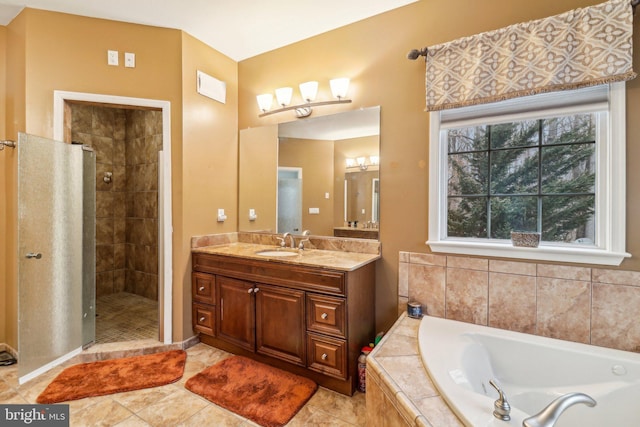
266 395
115 376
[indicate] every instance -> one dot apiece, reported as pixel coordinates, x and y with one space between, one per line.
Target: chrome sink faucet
302 240
549 415
283 240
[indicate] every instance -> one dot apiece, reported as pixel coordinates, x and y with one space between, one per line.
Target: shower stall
126 142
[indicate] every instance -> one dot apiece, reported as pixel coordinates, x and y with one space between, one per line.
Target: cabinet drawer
327 355
326 315
272 273
203 288
204 319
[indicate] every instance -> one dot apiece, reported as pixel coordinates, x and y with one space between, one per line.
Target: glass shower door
50 253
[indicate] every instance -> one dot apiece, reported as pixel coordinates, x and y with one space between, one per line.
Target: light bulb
283 95
309 90
339 87
264 102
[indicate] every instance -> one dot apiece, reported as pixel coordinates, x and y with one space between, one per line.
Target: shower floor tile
125 317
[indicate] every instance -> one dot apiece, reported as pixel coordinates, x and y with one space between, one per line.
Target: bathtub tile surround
581 304
126 143
399 391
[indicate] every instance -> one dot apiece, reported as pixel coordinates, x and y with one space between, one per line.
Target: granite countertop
337 260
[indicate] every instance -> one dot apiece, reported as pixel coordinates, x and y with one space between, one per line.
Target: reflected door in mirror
289 200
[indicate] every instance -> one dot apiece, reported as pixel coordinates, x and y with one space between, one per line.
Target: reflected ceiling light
361 162
283 96
308 91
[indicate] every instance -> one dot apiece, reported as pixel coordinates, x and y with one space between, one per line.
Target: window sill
581 255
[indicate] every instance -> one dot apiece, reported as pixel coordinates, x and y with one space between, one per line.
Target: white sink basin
276 253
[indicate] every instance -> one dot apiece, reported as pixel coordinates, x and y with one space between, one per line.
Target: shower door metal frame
165 220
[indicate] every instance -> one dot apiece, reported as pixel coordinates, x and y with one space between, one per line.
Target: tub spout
549 415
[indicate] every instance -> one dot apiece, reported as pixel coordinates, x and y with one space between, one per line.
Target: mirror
294 176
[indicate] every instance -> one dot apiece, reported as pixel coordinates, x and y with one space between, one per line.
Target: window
551 163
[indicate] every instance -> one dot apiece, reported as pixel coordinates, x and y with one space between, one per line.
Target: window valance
579 48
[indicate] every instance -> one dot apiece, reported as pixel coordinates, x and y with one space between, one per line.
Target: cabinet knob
201 319
324 356
201 288
250 290
324 316
256 289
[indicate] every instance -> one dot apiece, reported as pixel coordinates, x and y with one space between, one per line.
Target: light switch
326 195
129 60
252 215
221 216
112 57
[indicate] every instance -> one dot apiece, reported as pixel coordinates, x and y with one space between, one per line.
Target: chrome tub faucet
549 415
501 407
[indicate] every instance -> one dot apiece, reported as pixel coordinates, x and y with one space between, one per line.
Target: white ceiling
239 29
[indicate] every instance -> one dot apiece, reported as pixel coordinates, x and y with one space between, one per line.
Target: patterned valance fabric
582 47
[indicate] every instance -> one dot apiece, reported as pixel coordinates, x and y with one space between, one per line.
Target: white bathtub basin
461 358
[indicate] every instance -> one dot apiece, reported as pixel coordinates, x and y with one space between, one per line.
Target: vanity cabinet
261 318
312 321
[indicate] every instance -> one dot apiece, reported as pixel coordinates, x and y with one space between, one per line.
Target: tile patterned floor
125 317
173 405
127 322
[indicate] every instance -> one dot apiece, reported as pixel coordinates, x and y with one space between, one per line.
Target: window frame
610 175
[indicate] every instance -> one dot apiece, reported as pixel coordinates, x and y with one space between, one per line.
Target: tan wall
313 156
15 120
258 178
3 101
381 75
210 156
166 60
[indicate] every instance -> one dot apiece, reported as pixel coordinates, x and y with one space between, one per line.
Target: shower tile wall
126 144
143 140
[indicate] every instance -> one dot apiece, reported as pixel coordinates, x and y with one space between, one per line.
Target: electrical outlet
129 60
112 57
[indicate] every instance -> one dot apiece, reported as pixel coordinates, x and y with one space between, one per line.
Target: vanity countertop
338 260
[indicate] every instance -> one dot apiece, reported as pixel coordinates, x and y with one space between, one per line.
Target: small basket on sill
525 239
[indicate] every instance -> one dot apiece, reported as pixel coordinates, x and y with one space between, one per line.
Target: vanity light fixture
308 90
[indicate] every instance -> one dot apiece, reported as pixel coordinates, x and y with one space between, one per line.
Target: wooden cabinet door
280 323
236 312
